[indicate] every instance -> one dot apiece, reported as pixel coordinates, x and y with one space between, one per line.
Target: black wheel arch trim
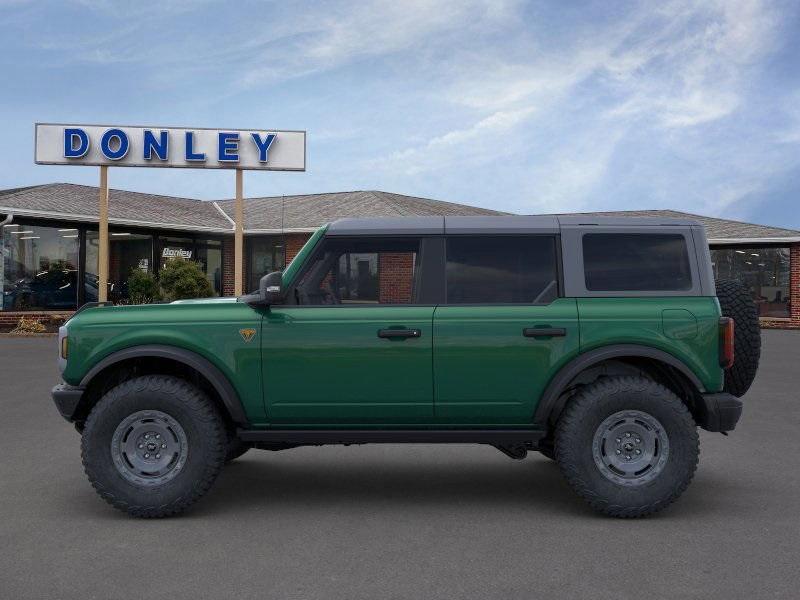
220 383
549 399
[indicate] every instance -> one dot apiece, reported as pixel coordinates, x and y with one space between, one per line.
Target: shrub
182 279
26 325
143 287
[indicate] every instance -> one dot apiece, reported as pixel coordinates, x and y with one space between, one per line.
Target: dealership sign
110 145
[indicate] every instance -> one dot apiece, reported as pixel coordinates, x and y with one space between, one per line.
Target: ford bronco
602 343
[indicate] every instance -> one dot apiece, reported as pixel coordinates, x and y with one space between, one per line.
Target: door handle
391 334
544 332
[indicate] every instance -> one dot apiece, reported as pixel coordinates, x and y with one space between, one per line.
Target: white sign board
189 148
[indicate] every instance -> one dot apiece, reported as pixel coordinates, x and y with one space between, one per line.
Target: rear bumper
719 412
67 399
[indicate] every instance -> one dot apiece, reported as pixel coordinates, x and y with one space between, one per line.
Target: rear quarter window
636 262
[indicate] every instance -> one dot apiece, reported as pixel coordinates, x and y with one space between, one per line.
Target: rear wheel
737 303
153 445
627 445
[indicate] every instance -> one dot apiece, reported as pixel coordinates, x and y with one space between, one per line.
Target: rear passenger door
503 331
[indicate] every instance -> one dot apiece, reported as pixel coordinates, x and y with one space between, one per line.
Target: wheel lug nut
163 445
638 452
158 436
638 441
146 455
619 451
141 445
628 456
619 440
158 456
627 435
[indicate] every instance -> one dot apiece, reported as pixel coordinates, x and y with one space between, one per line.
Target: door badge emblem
247 334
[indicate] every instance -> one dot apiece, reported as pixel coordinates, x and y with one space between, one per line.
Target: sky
527 107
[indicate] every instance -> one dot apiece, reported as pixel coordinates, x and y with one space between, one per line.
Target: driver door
353 344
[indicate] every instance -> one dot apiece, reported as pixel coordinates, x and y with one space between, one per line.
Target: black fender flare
206 368
549 400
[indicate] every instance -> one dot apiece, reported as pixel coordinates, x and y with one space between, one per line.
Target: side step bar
392 436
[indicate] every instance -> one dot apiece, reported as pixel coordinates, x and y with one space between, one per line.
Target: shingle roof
717 230
313 210
304 213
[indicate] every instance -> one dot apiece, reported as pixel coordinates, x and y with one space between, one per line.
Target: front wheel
153 445
627 445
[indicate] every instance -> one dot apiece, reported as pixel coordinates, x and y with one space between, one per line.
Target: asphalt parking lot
415 522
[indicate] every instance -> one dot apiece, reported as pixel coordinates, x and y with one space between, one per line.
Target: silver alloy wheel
630 448
149 448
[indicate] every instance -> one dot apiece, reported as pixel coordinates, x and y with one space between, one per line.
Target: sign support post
238 253
102 255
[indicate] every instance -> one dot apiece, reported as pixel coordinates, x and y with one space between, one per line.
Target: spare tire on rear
737 303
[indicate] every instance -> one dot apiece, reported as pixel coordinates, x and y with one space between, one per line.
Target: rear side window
501 270
636 262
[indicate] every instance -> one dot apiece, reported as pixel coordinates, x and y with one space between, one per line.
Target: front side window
361 271
617 262
501 270
766 271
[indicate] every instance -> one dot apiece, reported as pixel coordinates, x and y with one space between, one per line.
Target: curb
24 335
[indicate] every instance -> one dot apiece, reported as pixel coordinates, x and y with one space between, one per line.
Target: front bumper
719 412
67 399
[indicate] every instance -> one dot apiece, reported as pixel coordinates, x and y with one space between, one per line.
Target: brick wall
294 242
228 273
794 295
396 276
794 282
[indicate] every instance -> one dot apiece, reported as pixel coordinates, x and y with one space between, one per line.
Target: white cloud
474 144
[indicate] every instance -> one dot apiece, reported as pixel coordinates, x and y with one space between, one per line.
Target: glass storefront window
209 255
264 255
39 267
206 252
764 270
127 252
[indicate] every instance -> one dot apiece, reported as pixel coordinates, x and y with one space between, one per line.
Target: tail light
726 349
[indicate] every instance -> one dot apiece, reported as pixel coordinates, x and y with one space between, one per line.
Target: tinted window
486 270
361 271
636 261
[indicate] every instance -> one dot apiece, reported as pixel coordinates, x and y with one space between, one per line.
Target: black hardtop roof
491 224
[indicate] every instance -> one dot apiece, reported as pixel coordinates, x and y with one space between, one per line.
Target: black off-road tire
586 415
189 411
737 303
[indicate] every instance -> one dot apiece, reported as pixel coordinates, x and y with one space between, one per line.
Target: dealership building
50 245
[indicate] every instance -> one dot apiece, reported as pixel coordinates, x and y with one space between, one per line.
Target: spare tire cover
737 303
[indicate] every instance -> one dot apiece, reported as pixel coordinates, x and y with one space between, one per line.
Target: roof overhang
113 221
150 224
755 240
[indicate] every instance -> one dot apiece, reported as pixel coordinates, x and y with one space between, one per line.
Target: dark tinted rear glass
636 262
501 270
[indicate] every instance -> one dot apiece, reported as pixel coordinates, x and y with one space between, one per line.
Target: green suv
601 343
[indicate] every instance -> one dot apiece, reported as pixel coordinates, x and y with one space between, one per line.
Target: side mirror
270 290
